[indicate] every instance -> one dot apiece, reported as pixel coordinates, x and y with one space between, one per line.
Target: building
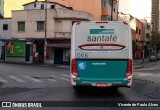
5 34
155 21
137 30
29 25
105 10
6 6
125 17
146 32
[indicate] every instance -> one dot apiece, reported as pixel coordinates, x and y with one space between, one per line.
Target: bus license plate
101 84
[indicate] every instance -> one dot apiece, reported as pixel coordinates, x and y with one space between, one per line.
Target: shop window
21 26
5 26
66 54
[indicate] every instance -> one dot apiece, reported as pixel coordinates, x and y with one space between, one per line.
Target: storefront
18 51
58 51
2 51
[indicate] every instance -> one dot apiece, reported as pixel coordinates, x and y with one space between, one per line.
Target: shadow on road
99 92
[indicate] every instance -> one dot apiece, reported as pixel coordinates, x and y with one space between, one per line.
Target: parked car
153 57
158 56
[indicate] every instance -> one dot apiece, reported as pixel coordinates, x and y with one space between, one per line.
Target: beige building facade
29 25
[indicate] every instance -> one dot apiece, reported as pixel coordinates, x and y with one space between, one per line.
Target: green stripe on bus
101 31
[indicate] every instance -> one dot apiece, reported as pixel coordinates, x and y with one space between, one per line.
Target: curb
43 65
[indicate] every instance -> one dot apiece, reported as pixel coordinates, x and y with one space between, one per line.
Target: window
136 30
59 28
40 25
105 18
139 31
5 26
52 6
66 54
105 3
42 6
21 26
34 5
110 2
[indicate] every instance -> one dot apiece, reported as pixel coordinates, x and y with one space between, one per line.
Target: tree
134 45
155 40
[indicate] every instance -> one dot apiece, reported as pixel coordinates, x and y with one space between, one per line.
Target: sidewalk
138 63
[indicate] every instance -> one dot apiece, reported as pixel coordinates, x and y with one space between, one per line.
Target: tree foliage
134 45
155 39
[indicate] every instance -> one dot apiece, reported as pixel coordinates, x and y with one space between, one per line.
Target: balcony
66 35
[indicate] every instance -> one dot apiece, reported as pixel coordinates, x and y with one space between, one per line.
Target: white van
101 54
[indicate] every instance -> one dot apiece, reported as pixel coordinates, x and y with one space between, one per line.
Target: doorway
58 56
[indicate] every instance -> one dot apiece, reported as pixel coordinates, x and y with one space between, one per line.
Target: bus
101 54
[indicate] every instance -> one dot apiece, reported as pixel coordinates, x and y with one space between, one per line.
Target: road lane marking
16 79
3 80
33 79
67 76
65 79
51 80
59 77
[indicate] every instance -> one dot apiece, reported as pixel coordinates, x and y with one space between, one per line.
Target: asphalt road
38 83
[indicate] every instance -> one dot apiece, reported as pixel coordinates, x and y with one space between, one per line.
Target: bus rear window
101 47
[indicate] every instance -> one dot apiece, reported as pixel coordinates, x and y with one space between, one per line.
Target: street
52 83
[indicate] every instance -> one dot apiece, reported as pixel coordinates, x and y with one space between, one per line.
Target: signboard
15 48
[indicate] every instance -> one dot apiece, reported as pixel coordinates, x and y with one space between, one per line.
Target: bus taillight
129 68
74 67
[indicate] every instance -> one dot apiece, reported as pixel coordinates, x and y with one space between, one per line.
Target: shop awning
59 45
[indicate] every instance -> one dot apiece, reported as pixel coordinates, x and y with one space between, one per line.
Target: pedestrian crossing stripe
3 80
51 80
66 76
146 74
24 78
33 79
65 79
16 79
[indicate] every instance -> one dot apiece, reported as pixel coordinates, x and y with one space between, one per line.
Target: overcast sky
137 8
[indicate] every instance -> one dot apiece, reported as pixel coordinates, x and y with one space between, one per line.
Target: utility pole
112 11
117 8
45 36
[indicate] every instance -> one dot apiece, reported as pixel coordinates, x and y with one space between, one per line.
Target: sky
137 8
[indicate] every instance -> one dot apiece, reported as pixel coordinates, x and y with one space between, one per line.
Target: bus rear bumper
113 84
